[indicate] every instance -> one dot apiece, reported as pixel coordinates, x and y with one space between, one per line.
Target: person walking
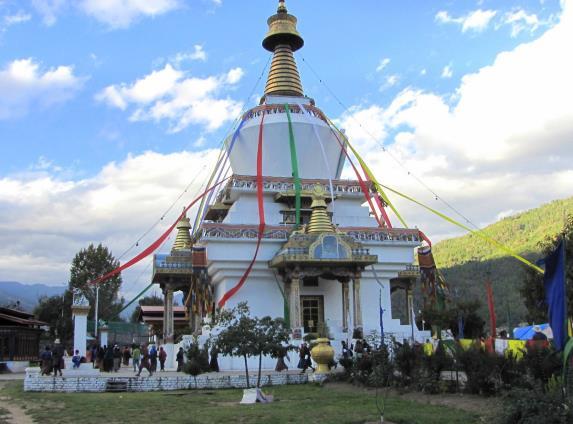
100 354
162 358
116 358
94 351
304 358
180 359
58 357
281 353
153 358
46 358
126 355
214 363
108 359
346 351
145 361
136 356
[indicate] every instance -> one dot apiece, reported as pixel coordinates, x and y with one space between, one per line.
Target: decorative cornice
247 183
281 233
273 109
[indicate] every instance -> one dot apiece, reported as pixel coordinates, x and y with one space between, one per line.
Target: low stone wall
36 383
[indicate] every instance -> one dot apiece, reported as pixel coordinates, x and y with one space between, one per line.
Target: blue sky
107 108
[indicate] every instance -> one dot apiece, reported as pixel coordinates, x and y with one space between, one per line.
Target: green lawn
293 404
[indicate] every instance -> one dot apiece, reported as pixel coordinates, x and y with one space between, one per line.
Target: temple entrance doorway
312 309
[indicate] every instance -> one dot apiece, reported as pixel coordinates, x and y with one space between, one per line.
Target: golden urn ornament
323 355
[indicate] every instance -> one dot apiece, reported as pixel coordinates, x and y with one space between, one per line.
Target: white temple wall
245 210
276 148
351 212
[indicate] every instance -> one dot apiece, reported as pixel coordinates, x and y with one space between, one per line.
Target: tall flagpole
96 310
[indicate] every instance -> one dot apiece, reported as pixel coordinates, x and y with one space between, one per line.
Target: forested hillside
467 261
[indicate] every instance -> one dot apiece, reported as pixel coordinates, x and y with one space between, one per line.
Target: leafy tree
246 336
270 336
449 317
532 288
57 312
152 300
236 339
89 264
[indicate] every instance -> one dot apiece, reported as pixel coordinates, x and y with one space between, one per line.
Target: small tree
270 335
236 339
248 336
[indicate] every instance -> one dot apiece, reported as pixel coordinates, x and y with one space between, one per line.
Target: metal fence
123 333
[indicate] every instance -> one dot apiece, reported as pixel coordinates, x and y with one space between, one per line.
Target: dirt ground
17 415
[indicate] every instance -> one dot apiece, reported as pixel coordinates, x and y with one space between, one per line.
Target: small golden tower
319 220
183 239
283 39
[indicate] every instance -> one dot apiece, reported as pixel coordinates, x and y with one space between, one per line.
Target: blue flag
554 287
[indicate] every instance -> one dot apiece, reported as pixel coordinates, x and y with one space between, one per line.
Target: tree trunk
259 377
247 371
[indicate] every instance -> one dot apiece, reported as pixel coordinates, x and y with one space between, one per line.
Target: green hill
467 261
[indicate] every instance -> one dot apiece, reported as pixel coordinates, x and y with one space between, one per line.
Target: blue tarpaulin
526 333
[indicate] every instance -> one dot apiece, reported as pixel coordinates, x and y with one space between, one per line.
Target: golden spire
283 39
319 220
183 239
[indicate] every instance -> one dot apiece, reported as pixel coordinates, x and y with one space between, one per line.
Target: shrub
541 363
482 371
523 406
407 361
197 360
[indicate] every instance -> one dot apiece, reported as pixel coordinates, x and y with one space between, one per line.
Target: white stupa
336 269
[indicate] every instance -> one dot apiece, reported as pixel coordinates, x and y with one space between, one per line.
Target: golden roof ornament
319 219
183 239
283 39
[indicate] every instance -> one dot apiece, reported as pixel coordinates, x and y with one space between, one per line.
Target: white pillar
168 326
357 304
80 315
103 332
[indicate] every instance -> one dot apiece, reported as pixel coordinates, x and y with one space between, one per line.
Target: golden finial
283 39
319 220
183 239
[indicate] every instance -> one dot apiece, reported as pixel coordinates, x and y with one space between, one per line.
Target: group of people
112 358
52 359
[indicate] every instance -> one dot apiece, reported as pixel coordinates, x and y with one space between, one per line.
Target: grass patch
293 404
4 415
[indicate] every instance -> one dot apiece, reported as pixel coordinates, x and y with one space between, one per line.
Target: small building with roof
20 336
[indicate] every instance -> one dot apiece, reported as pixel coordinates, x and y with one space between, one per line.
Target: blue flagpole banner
554 287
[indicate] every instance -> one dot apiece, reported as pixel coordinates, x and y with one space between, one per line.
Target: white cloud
519 20
180 99
113 13
476 20
447 72
15 19
23 83
197 54
121 13
383 64
505 144
113 207
49 9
